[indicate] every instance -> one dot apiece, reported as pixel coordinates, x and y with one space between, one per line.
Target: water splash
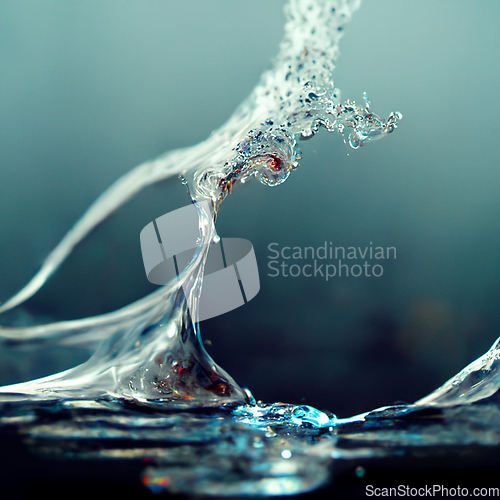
478 381
149 355
151 351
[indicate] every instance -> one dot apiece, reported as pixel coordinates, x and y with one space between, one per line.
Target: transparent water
150 392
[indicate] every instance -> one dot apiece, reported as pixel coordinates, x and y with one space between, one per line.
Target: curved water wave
151 350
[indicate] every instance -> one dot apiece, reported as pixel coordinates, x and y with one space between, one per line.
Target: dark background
91 89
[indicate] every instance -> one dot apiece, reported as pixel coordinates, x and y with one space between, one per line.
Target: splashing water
151 350
150 354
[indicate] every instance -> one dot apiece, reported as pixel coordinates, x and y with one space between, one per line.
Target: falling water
149 354
293 100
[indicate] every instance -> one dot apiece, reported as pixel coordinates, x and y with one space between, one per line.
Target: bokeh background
90 89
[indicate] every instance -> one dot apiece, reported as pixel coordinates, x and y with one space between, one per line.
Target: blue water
186 420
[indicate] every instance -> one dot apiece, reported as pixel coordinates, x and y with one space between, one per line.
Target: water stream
151 393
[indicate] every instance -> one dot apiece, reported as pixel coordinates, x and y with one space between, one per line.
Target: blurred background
88 90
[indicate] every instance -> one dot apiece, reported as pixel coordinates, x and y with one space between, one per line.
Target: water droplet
367 100
360 471
306 134
286 454
354 140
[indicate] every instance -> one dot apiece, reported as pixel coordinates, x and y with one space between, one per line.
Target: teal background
90 89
